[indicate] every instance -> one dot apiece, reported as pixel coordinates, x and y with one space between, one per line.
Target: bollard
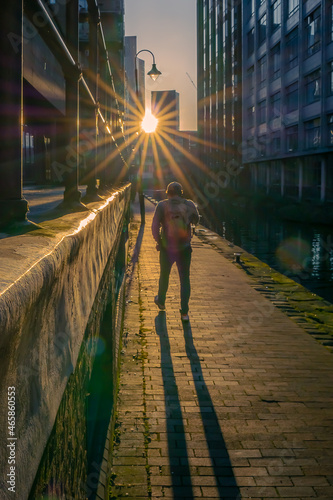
237 256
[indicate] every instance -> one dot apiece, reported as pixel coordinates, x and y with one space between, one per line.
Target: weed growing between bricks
144 356
114 444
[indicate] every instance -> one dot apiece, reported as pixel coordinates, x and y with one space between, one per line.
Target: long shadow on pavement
138 244
177 449
226 481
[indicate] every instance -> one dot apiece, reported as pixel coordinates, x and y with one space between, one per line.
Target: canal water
303 252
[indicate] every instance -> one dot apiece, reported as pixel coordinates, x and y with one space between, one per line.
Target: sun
149 122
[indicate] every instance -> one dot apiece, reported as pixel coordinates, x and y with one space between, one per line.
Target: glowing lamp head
149 123
154 73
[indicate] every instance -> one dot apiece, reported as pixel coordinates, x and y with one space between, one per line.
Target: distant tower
112 15
165 106
130 52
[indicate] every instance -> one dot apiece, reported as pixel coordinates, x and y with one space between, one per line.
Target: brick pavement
236 404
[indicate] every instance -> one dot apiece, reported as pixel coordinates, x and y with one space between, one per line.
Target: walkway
235 404
42 200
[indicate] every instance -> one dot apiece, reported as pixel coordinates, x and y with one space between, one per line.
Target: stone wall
51 334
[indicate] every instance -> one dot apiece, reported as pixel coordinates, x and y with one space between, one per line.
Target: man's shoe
159 305
184 317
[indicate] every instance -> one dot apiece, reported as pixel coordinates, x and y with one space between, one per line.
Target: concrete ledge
45 303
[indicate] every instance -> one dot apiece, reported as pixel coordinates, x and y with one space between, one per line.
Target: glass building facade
287 145
265 93
219 81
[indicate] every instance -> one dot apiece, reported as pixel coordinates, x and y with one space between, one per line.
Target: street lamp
154 73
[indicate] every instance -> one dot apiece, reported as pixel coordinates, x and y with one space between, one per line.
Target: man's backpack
176 224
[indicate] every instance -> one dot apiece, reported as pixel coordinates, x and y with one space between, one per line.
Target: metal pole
93 76
140 190
71 181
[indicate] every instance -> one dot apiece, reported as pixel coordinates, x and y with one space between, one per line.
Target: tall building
288 97
68 95
135 101
132 86
165 106
104 23
170 158
219 66
265 94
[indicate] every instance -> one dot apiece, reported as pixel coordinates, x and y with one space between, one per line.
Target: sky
168 29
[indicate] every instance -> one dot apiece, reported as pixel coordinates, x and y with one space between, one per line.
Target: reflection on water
302 252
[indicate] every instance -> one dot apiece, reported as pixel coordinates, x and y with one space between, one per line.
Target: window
275 174
312 133
330 23
250 151
330 78
292 97
250 116
276 105
292 49
233 19
262 112
330 129
262 23
293 6
275 65
312 28
32 149
291 177
250 79
292 138
250 42
225 32
251 8
276 15
28 144
262 71
262 142
312 87
276 143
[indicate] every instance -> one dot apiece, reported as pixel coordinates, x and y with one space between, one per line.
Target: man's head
174 189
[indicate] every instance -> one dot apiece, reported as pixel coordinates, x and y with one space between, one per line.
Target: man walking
171 229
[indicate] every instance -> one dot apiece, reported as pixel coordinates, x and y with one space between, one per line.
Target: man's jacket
172 221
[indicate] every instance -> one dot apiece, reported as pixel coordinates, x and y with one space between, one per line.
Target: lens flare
95 346
294 254
149 123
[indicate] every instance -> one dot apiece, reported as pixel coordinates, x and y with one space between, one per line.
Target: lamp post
154 73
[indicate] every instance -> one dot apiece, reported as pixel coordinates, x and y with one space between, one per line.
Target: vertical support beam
12 205
323 180
72 193
300 179
71 178
104 166
93 79
268 177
